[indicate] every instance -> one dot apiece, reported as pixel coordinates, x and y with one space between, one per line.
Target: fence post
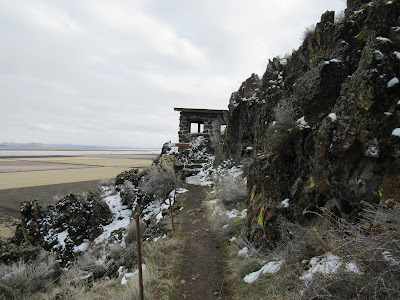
139 255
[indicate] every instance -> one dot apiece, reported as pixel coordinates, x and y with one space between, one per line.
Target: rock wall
341 86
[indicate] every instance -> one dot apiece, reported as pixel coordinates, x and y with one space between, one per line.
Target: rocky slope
322 125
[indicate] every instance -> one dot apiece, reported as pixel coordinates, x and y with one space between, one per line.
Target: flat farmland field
47 178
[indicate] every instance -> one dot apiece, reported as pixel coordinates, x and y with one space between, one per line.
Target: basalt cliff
322 126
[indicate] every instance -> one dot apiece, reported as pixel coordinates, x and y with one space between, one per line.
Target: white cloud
110 72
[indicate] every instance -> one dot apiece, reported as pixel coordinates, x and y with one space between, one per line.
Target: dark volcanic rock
341 80
79 217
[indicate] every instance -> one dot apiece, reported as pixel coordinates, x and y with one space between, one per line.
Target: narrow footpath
202 276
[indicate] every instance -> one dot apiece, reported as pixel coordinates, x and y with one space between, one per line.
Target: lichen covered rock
342 151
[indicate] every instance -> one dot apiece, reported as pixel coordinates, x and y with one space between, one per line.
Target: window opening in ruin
196 128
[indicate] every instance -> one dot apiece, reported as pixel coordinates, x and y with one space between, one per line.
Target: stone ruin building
195 122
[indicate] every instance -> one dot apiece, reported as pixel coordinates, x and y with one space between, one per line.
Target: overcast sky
101 72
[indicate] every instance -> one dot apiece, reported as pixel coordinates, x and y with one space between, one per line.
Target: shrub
284 119
93 263
158 182
243 242
375 252
131 232
132 175
367 252
340 16
309 32
231 190
20 279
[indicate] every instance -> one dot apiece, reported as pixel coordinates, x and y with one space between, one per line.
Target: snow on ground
160 237
181 190
333 60
244 252
156 207
82 247
126 276
234 213
201 179
302 123
122 216
219 209
271 268
352 267
285 203
61 237
387 256
392 82
234 172
328 265
397 54
384 39
333 117
396 132
378 54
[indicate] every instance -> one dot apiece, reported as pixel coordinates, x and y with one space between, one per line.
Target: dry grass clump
284 119
160 277
231 190
21 279
371 247
92 264
220 222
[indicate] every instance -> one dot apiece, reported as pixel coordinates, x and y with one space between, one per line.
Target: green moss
361 36
312 55
377 193
366 96
260 218
312 183
315 230
367 226
253 193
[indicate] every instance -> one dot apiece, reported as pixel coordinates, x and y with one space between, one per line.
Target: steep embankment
342 87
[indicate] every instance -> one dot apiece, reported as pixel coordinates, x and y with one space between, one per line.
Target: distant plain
48 178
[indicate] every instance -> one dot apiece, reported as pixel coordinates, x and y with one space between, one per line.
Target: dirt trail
202 276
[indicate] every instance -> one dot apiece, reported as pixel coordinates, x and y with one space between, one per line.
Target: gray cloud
110 72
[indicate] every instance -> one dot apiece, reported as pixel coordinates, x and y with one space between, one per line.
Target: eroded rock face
342 80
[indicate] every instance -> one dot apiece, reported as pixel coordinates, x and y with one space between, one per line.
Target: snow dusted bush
219 219
284 119
231 187
199 149
158 182
20 279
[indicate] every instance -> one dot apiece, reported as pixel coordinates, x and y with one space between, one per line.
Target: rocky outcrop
81 218
341 86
